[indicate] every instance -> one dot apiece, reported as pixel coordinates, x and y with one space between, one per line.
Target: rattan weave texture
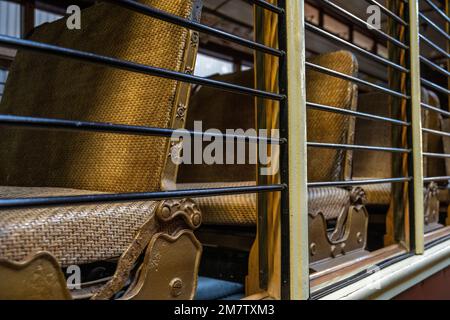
74 234
64 88
327 127
241 209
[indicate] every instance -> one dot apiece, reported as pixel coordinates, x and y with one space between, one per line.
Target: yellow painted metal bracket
416 128
298 190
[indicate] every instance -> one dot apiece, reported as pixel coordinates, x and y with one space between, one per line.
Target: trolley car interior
226 224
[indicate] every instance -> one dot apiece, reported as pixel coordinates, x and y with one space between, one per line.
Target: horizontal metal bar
434 46
132 66
309 26
436 155
365 24
443 112
436 132
357 182
356 147
357 114
431 179
72 125
434 66
268 6
438 10
388 12
193 25
140 196
354 79
434 26
434 86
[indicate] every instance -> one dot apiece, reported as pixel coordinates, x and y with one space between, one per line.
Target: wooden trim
258 296
437 234
332 275
397 278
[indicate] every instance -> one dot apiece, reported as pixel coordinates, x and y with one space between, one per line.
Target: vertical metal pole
397 221
261 120
27 14
294 202
447 29
418 183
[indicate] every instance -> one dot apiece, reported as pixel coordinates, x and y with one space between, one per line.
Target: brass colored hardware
348 240
176 287
38 278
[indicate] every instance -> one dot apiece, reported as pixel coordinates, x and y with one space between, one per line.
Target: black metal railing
395 65
359 21
139 68
280 52
89 57
402 175
438 34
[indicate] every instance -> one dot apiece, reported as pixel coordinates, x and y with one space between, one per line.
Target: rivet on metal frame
359 237
176 287
313 249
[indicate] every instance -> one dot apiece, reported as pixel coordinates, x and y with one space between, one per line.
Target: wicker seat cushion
74 234
43 85
241 209
377 194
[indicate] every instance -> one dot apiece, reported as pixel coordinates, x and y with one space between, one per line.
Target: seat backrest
43 85
223 111
328 127
373 133
435 167
446 140
374 164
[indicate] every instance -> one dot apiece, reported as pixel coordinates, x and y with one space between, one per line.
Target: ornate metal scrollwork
431 203
347 241
185 208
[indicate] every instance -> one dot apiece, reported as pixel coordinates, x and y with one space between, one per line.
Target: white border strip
393 280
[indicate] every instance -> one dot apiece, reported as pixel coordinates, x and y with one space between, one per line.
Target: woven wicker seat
323 164
241 209
370 165
377 194
76 234
232 112
60 163
435 167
